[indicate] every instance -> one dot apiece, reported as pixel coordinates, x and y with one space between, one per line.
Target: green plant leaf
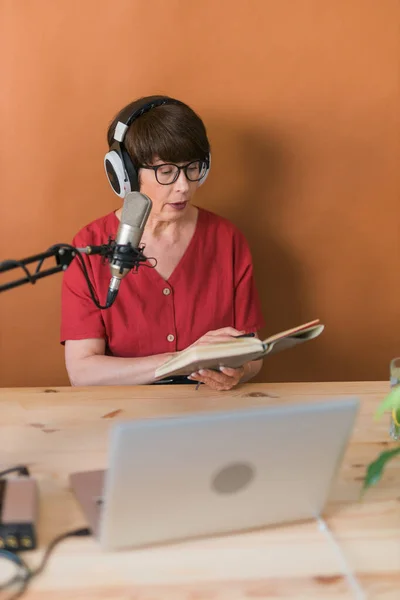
391 401
375 469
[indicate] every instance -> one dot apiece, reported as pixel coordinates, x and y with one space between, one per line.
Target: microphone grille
136 209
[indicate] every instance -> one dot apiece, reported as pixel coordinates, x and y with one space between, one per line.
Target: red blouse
211 287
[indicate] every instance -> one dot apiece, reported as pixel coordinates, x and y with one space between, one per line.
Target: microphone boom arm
63 254
127 257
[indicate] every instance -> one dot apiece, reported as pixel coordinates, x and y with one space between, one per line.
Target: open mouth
178 205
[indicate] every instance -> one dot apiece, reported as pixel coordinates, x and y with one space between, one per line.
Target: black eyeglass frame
204 165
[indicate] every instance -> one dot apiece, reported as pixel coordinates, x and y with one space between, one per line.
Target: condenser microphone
135 212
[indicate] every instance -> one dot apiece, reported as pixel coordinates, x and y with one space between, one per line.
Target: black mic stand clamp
122 256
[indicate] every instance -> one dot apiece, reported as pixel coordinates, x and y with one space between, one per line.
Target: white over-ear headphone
120 170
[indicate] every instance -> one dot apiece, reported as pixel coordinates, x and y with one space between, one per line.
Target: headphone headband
127 116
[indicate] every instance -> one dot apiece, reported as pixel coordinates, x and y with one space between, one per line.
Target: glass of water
394 382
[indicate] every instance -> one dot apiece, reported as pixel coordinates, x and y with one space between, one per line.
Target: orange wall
301 100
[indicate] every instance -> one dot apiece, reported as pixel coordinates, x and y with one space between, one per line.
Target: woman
202 289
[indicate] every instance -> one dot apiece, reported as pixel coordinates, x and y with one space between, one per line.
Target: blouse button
166 291
170 337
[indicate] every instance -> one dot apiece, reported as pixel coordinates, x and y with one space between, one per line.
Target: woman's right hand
222 379
225 334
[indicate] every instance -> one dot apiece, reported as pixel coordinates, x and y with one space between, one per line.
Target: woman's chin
173 211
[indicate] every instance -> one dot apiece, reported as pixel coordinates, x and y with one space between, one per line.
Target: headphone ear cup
207 171
116 174
131 172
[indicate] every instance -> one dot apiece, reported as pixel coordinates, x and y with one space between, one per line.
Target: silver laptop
180 477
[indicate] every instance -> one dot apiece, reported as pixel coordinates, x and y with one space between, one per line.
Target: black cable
21 574
21 469
28 574
86 275
24 573
85 272
82 532
153 266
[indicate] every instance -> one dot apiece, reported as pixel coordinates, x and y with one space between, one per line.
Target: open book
237 352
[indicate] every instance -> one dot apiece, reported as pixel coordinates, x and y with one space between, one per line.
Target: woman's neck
157 228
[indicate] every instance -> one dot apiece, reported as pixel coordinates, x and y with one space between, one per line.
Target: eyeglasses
168 173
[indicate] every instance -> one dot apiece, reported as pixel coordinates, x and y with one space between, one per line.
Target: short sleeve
80 317
248 313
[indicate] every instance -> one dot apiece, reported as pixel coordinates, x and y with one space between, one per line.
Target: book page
289 332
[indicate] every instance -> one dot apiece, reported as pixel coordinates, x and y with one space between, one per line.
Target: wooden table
56 431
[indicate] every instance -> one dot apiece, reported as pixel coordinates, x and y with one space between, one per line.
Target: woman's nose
182 183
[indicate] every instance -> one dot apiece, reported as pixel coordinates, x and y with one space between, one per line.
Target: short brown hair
172 132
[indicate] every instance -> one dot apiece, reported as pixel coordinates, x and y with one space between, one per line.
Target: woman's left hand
222 380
